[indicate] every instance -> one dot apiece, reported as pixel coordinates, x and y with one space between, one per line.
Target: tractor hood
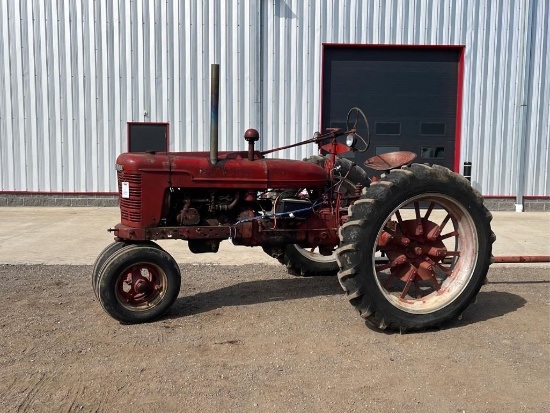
233 170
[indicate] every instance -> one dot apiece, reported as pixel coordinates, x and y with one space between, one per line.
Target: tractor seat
390 160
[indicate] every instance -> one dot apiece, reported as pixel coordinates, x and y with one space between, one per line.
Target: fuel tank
233 170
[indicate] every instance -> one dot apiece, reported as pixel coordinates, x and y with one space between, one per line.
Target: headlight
351 140
119 167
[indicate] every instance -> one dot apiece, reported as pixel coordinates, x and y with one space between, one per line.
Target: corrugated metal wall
72 74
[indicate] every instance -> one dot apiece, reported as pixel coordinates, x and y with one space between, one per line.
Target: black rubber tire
360 237
132 258
300 262
107 252
101 258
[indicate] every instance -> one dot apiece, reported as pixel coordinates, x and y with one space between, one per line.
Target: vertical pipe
525 101
259 61
214 100
468 171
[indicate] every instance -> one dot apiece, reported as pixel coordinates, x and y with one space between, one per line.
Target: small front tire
138 284
107 252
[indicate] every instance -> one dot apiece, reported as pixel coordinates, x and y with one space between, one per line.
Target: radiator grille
130 208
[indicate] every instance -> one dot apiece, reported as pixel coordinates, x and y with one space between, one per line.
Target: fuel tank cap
251 135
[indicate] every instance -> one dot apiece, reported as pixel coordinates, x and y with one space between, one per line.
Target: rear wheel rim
425 253
347 190
313 254
141 286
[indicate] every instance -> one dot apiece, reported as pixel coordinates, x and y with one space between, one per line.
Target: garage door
409 94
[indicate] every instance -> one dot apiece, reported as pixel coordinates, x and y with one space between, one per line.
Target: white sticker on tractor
125 190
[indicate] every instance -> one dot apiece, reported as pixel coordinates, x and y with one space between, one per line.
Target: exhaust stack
214 98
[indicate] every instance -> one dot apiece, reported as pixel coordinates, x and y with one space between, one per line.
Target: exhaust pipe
214 99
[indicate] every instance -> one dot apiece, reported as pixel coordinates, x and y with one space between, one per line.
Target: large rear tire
138 283
416 249
309 262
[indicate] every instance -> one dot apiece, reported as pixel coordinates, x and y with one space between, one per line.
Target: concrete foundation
107 200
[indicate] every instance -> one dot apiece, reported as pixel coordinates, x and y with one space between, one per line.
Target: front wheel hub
141 286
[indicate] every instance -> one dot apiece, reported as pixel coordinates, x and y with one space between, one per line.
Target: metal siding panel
155 55
45 156
54 106
7 179
20 172
174 90
538 134
79 93
105 98
115 131
91 90
190 79
163 97
30 94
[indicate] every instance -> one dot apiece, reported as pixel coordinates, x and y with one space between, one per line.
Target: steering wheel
359 119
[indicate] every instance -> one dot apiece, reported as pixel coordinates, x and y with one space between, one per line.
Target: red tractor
411 249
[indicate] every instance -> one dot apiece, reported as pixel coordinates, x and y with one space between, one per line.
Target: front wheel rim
141 286
425 253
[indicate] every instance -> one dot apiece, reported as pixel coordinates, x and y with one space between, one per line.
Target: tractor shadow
489 304
256 292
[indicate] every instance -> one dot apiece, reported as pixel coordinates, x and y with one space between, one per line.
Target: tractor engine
245 197
270 218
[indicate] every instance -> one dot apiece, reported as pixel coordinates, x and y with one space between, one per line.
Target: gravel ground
252 338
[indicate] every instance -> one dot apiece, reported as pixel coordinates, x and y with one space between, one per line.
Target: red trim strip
321 86
409 46
116 193
55 193
459 91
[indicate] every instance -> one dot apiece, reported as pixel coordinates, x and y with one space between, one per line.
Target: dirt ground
252 338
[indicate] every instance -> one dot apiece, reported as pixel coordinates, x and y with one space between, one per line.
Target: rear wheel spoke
406 289
449 235
398 216
442 225
419 228
453 254
383 267
446 270
435 283
417 289
400 239
388 282
429 211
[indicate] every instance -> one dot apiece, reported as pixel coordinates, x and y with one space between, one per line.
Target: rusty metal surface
390 160
521 259
214 103
154 175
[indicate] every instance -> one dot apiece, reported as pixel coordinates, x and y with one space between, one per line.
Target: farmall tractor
411 249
